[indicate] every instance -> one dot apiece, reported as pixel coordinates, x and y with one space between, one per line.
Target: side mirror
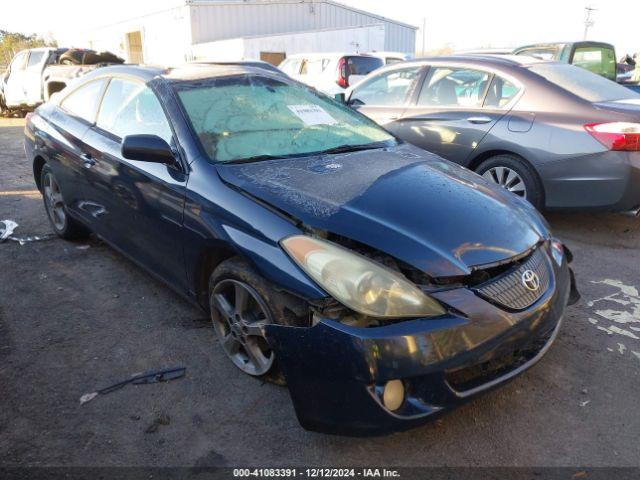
340 97
147 148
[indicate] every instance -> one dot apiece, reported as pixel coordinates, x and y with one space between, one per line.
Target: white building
248 29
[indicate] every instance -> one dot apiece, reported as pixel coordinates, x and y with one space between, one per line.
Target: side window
131 108
290 66
500 93
454 87
314 67
388 88
18 62
83 102
35 58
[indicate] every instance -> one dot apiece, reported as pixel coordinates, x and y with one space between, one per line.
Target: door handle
479 120
88 160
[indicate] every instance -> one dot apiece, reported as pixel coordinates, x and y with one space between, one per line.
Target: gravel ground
76 316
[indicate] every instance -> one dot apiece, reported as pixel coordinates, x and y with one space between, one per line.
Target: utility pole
588 22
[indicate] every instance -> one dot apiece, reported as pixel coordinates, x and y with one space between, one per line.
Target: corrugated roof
330 2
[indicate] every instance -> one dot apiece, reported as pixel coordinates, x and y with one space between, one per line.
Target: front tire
241 304
63 225
515 175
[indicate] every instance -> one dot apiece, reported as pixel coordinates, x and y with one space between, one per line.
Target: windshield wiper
256 158
354 148
339 149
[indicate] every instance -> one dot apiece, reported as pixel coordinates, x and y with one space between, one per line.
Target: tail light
342 73
621 136
28 116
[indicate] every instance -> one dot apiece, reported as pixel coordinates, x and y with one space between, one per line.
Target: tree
12 42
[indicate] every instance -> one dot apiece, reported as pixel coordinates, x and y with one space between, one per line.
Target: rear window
584 84
600 60
363 65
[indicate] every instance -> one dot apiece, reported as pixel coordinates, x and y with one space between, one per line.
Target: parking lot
78 316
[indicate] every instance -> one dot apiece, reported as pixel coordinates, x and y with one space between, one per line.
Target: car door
66 150
140 203
449 117
383 97
14 93
33 76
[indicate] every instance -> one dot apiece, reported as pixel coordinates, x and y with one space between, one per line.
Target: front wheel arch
38 164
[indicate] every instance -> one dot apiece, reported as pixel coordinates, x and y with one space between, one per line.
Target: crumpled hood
408 203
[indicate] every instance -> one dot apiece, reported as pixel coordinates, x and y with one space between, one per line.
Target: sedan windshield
583 83
249 117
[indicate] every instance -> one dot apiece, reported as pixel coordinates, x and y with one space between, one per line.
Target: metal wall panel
211 21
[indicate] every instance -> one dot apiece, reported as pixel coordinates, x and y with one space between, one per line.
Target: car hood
428 212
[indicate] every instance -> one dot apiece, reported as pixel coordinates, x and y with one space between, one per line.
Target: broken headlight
359 283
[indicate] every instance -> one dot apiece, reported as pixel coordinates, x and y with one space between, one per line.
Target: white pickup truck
35 74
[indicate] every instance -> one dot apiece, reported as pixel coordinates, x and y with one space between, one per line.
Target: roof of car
193 71
490 59
557 44
296 56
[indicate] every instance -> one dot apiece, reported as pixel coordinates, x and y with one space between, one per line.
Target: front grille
509 290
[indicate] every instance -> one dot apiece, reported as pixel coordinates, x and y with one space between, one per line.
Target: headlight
359 283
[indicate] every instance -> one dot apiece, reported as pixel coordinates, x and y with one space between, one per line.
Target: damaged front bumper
336 373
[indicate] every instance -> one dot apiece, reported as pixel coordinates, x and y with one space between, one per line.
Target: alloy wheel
239 315
54 203
507 178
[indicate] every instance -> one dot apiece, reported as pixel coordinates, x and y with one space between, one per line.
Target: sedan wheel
507 178
53 202
239 314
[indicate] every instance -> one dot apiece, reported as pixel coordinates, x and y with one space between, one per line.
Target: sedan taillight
621 136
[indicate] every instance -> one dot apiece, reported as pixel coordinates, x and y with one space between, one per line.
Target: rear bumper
336 373
606 181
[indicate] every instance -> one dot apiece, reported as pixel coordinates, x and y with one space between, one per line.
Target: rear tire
62 223
241 302
515 175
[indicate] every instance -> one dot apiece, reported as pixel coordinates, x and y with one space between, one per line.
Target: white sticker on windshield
312 114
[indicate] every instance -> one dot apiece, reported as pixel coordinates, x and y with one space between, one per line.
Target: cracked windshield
246 117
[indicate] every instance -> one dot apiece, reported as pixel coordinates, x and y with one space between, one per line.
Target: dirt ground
77 316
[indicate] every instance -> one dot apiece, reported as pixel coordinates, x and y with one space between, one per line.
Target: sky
463 24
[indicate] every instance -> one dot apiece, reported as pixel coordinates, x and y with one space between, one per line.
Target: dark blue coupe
382 283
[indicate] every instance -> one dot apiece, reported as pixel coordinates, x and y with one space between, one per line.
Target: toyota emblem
531 280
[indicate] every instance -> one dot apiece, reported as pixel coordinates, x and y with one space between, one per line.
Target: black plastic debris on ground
155 376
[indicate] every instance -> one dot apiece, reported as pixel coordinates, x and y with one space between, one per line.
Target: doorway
274 58
134 47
